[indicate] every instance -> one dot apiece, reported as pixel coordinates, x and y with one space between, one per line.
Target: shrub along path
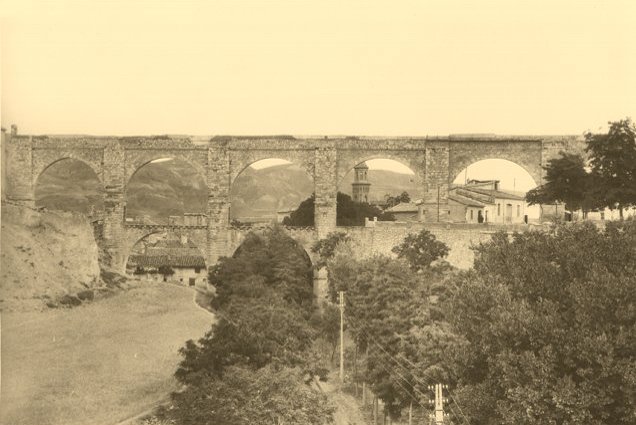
98 363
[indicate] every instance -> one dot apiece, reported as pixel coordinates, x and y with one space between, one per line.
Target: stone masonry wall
381 238
327 159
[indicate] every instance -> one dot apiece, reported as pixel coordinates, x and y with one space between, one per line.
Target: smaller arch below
302 242
168 257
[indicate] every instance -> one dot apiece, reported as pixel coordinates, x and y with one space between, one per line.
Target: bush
85 295
421 250
70 301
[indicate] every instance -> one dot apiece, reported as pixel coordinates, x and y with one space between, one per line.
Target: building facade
484 202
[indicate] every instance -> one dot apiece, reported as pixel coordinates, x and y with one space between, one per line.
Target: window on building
471 215
498 209
191 281
197 269
518 210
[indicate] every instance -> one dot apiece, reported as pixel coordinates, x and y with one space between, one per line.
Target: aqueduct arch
435 160
66 190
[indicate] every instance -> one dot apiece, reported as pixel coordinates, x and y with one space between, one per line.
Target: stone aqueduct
436 162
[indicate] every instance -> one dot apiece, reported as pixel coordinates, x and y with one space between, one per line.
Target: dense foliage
392 201
303 216
349 212
326 248
255 365
272 260
388 314
266 396
549 328
541 330
613 162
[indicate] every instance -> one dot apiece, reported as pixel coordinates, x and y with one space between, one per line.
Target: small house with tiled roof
183 258
406 211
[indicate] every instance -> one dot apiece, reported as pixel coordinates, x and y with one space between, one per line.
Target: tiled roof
167 260
174 243
403 207
174 252
465 200
494 193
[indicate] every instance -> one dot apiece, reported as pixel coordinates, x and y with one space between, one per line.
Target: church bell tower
360 186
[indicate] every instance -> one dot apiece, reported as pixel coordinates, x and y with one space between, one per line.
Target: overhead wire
397 362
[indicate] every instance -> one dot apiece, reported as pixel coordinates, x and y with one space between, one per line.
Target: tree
566 181
421 250
392 201
352 213
549 327
382 301
349 212
303 215
613 161
271 259
258 360
326 248
327 325
270 395
253 332
165 271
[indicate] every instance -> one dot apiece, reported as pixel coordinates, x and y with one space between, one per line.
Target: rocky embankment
48 259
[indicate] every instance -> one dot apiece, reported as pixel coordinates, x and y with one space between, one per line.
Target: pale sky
323 67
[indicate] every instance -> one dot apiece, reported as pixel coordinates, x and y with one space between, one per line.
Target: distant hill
174 187
69 185
261 193
167 188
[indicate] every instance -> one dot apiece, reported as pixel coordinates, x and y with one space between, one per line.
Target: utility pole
438 402
341 305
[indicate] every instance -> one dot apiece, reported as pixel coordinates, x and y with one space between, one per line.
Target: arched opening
166 191
268 191
70 185
254 242
492 191
382 188
168 257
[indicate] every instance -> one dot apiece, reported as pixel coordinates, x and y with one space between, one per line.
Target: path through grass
99 363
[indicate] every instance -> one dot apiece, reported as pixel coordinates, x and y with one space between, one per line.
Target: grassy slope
98 363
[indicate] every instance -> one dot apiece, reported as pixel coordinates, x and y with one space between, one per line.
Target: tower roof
361 166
